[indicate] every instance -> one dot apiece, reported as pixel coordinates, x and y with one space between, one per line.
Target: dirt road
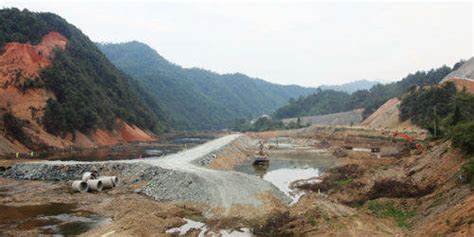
176 177
226 187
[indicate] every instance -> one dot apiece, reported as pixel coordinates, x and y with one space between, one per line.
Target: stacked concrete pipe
91 182
88 175
95 184
109 181
80 186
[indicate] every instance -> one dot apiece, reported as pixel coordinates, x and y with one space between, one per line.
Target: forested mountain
198 98
330 101
351 86
64 79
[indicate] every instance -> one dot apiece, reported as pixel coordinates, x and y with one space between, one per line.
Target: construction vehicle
409 141
261 159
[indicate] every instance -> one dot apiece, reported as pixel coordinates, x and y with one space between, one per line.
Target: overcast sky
304 43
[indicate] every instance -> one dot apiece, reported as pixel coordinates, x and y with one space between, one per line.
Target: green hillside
91 92
330 101
197 98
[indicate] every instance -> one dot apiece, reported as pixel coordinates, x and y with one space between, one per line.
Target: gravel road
174 177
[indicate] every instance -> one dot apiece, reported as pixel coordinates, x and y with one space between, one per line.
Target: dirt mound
343 118
466 71
386 110
463 77
388 116
397 189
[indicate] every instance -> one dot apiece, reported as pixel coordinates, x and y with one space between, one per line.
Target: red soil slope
461 83
131 133
21 62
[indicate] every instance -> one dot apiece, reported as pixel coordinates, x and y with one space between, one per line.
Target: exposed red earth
23 61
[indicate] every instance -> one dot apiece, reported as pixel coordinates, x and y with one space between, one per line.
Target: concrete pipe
88 176
80 186
115 179
95 185
107 181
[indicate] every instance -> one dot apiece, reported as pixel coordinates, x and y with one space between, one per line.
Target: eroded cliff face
23 94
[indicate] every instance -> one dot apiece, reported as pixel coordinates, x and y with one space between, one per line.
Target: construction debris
80 186
92 182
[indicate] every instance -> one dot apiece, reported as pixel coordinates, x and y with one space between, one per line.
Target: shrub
13 127
463 136
401 216
468 171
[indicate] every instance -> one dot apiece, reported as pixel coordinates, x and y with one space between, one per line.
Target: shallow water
50 219
204 230
190 224
127 151
286 167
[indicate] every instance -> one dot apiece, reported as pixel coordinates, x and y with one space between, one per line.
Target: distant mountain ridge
351 87
330 101
198 98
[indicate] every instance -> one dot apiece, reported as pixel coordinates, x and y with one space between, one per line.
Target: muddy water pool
129 151
286 167
59 219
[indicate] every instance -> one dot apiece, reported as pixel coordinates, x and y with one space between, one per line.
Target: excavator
411 144
261 159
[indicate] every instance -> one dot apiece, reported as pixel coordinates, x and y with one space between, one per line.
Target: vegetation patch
343 182
383 210
274 225
446 113
397 189
468 171
14 129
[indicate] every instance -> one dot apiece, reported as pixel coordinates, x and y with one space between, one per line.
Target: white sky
286 42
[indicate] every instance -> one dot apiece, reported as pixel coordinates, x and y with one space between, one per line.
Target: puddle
283 177
361 149
73 225
204 230
286 167
187 140
189 225
153 152
49 219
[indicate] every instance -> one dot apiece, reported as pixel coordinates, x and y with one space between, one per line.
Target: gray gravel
177 177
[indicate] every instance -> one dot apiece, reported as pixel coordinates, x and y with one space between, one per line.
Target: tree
54 119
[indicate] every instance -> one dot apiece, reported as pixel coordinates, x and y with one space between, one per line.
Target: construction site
324 180
101 135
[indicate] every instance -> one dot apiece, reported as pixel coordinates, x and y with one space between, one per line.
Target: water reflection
50 219
127 151
286 167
